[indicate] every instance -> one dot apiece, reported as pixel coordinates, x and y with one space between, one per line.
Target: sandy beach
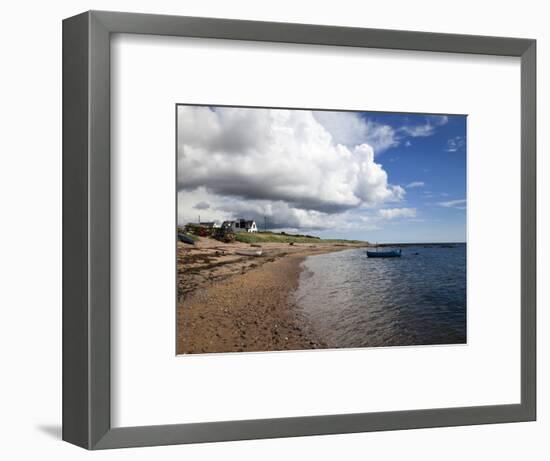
233 303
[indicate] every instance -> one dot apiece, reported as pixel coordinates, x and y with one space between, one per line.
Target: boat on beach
384 254
185 238
248 252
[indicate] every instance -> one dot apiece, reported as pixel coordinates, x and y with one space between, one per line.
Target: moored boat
384 254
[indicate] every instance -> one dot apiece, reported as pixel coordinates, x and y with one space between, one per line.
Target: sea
353 301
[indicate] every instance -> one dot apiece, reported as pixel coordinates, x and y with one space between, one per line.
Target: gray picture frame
86 229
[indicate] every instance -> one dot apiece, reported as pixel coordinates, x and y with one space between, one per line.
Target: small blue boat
185 238
384 254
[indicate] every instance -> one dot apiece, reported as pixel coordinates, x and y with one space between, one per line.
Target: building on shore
241 225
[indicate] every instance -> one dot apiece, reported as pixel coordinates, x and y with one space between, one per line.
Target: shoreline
228 303
425 244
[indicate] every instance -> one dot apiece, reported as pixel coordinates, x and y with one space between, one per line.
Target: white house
241 225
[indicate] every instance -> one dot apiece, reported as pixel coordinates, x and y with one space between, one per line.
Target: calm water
355 301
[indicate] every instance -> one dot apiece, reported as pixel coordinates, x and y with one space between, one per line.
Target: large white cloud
284 164
350 129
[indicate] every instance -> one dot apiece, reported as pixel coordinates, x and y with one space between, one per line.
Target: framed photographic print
254 183
275 230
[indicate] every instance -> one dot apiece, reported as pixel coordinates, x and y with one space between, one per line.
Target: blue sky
381 177
433 166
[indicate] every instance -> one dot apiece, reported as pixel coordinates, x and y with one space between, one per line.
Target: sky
376 176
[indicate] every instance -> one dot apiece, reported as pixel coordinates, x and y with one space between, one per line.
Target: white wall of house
236 226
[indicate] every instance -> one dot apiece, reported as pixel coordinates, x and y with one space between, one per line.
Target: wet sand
233 303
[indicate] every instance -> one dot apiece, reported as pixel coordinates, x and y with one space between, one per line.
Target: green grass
273 237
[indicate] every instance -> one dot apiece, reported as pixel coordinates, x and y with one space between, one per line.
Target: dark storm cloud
201 206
